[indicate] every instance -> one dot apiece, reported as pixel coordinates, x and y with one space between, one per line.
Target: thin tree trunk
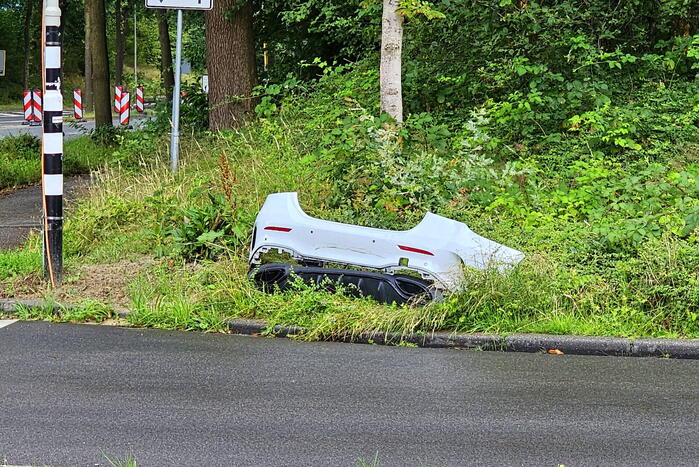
167 76
88 97
120 11
231 61
390 68
100 64
27 44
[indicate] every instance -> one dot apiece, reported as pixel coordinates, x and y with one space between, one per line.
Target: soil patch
104 283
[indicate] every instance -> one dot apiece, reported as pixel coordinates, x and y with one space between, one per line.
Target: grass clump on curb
86 311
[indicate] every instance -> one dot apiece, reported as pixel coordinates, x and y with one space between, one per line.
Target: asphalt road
20 210
72 392
11 125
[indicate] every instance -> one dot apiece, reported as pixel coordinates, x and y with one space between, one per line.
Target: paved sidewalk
20 211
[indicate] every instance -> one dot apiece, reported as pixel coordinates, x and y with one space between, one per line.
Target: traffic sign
180 4
205 83
2 63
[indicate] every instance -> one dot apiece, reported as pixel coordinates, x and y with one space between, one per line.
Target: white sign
180 4
2 63
205 83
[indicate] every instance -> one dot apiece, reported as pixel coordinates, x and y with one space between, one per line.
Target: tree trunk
100 64
120 40
167 76
27 44
88 97
390 68
231 61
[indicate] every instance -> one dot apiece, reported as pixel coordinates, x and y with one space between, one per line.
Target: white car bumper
437 247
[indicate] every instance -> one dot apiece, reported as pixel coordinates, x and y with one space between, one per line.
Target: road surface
20 210
70 393
11 125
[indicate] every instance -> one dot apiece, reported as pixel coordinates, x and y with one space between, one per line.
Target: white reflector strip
53 185
53 57
53 102
6 322
53 143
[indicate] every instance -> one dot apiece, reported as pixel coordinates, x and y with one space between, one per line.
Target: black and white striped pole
52 144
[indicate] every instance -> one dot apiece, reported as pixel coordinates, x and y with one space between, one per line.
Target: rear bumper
437 248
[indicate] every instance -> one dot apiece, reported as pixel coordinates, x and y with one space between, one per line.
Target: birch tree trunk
390 68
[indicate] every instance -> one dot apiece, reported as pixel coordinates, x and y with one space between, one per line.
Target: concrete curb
578 345
530 343
675 348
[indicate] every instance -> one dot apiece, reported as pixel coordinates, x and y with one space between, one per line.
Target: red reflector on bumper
415 250
278 229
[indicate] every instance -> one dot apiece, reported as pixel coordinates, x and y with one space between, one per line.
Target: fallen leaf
555 352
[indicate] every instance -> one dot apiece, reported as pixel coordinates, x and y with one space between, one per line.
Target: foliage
194 112
20 160
88 310
194 108
412 9
207 231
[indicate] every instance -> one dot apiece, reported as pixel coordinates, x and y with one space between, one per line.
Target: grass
20 161
11 106
19 262
85 311
128 461
374 462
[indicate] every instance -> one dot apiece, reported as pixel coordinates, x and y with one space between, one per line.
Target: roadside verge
529 343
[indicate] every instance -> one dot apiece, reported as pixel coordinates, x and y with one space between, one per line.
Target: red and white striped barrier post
78 105
117 97
124 108
28 107
37 104
140 106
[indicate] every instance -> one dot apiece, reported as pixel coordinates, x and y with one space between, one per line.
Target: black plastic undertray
384 288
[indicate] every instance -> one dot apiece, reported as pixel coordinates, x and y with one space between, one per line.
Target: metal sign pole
175 135
178 5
